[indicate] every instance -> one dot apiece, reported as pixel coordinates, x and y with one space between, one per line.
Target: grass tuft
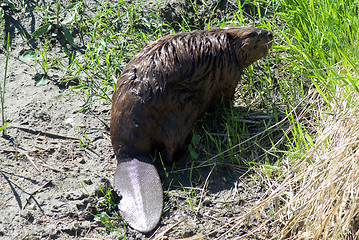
110 217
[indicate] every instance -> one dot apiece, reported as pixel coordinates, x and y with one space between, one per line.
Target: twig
52 168
31 195
193 238
51 135
168 229
204 188
30 159
211 217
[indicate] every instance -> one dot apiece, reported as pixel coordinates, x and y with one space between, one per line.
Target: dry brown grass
319 197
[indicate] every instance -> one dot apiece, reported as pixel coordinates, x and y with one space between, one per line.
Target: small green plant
52 21
163 165
44 60
191 196
108 200
196 138
46 63
2 89
110 215
84 141
2 26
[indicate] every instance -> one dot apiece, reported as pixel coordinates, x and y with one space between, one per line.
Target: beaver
159 96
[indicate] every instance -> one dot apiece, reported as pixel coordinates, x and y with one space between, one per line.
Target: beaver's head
249 43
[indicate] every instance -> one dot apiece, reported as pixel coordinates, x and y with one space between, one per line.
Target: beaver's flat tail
137 181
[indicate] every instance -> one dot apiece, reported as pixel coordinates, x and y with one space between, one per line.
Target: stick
30 158
167 230
31 195
51 135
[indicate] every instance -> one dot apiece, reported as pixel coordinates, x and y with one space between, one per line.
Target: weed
46 63
2 26
191 196
84 141
108 200
52 21
163 165
44 60
110 216
192 147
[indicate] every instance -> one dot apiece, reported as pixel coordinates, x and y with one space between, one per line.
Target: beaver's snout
259 36
251 44
267 36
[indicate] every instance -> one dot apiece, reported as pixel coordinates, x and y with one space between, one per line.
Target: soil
55 158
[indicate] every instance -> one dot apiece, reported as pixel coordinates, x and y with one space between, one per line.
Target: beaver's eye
255 46
250 35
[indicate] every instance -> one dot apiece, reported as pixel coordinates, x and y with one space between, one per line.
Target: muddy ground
55 158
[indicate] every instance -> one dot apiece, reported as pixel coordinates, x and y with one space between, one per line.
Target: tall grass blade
2 90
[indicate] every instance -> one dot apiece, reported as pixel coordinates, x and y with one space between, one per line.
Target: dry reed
324 184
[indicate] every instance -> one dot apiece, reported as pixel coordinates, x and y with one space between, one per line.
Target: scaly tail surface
137 181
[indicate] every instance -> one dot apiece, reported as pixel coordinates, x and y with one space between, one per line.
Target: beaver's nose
267 34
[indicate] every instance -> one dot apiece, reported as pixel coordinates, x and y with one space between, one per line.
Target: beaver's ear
235 44
232 35
235 40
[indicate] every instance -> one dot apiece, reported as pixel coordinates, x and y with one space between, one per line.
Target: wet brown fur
168 85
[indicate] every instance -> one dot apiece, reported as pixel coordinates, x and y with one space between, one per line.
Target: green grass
109 217
56 20
3 90
323 39
321 51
